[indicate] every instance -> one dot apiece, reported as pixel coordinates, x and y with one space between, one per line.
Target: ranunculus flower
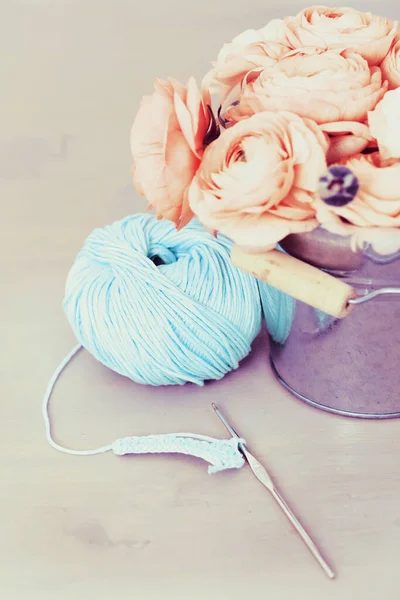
374 214
384 123
257 181
324 85
167 143
347 138
390 66
247 51
343 28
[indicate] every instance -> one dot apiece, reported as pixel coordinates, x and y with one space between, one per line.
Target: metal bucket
348 366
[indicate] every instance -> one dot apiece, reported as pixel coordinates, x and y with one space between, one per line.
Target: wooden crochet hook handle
297 279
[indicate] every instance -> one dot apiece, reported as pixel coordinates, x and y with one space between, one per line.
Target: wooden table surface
99 527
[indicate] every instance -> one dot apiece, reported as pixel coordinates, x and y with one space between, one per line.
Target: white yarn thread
220 454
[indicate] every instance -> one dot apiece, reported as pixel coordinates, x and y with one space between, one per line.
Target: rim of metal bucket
328 409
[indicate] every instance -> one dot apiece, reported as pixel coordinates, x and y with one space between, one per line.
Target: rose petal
384 123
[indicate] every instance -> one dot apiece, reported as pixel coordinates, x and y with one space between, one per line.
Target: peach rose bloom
324 85
167 143
347 138
247 51
384 123
257 181
327 28
390 66
374 214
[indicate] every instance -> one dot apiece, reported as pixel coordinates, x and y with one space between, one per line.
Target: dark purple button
339 186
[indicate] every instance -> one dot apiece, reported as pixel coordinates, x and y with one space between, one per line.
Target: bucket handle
374 294
303 282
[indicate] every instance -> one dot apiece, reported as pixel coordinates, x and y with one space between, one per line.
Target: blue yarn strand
278 309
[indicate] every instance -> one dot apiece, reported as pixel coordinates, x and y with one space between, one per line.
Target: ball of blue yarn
162 306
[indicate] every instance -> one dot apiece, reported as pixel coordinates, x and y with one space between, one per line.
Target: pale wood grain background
73 73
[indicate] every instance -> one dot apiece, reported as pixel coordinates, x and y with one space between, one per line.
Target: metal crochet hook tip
263 476
225 422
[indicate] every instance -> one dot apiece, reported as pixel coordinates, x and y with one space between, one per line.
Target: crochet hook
262 475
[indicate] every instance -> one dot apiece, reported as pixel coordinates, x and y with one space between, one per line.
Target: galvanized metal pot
347 366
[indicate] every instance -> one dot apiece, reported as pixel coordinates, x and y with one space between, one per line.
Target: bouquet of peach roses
296 126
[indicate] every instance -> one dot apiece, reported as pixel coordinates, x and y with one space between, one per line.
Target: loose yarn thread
220 454
167 307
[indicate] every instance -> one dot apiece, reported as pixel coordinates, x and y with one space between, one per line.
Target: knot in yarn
162 306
